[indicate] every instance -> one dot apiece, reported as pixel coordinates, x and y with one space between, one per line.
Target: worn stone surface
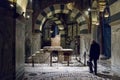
114 7
20 48
11 46
115 38
36 42
60 72
28 35
115 48
85 41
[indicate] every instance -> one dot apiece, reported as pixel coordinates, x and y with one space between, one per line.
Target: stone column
28 34
94 32
82 47
12 41
115 36
20 48
7 44
36 42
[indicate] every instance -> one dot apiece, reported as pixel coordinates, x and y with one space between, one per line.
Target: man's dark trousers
91 65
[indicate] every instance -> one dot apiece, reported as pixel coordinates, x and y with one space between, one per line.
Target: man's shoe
91 71
95 73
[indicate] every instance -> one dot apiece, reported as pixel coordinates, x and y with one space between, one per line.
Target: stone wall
7 45
115 47
20 48
115 41
12 38
36 42
28 35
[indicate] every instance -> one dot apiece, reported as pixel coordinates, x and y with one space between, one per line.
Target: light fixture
28 16
89 9
61 28
97 23
51 31
30 0
12 5
106 13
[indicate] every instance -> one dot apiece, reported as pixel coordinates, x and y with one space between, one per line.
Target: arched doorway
69 23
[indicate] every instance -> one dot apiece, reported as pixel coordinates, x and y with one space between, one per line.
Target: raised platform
46 55
63 54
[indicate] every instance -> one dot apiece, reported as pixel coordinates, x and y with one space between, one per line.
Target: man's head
93 41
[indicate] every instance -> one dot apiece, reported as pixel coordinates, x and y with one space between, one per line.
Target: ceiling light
61 28
12 5
97 23
89 9
30 0
51 31
106 14
28 16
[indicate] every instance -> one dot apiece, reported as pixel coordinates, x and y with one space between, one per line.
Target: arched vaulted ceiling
48 12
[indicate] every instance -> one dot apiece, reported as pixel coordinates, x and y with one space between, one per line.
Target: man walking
94 56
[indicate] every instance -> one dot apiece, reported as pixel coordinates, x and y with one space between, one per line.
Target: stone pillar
28 34
82 47
12 41
7 44
115 36
94 32
20 48
36 42
85 42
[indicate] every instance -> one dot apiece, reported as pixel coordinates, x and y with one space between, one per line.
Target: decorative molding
111 2
115 17
85 31
114 8
115 23
58 8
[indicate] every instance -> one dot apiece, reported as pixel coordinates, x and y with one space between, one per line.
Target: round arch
59 8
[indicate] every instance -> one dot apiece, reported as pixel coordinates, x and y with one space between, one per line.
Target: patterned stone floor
62 72
66 73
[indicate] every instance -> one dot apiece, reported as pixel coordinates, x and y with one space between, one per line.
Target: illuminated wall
22 4
115 37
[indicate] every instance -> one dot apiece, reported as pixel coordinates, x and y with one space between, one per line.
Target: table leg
32 61
50 59
68 61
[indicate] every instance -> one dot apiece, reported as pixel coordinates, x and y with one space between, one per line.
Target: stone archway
48 12
60 8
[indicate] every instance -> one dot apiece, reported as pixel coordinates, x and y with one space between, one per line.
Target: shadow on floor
113 77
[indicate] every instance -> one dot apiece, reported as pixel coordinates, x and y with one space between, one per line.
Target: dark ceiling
41 4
